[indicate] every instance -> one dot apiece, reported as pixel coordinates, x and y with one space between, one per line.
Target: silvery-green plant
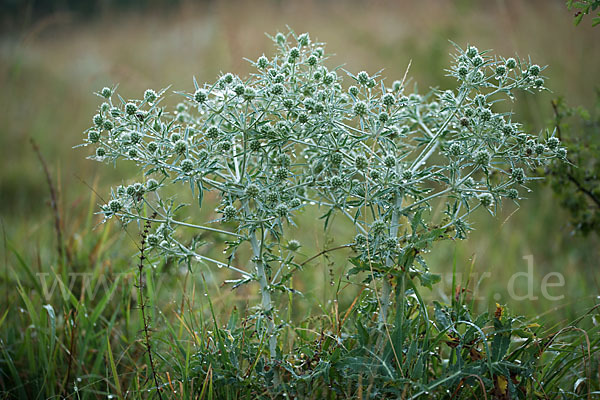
291 137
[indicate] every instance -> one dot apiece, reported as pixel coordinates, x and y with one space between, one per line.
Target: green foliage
584 7
577 182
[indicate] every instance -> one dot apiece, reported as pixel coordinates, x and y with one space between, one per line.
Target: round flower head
280 38
249 93
187 165
303 118
361 162
212 132
281 173
464 121
319 52
477 61
284 161
561 153
150 96
272 197
500 70
115 112
130 108
463 70
336 182
277 89
389 99
552 142
391 243
151 184
282 210
262 62
293 245
396 86
511 63
538 83
362 77
336 159
115 206
406 174
378 227
303 39
252 191
152 240
255 145
472 51
353 90
518 175
512 194
229 213
482 158
100 152
227 78
175 137
239 89
294 53
93 136
312 61
106 92
486 199
539 149
390 161
454 149
225 145
485 114
329 78
375 174
131 190
132 153
152 147
383 117
134 137
108 125
98 119
200 96
371 83
360 239
181 147
534 70
360 108
295 203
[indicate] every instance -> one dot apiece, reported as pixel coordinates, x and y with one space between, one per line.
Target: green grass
87 333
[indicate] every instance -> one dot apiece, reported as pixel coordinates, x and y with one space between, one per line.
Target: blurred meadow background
54 55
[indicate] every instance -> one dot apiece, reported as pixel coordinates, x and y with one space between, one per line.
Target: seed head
534 70
389 99
500 70
360 240
511 63
181 147
378 227
477 61
132 153
486 199
295 202
93 136
362 77
383 117
229 213
360 108
281 173
518 175
100 152
454 149
512 194
277 89
312 61
151 184
106 92
262 62
336 159
482 158
200 96
552 142
152 147
187 165
150 96
97 119
239 89
336 182
130 108
212 132
115 206
361 162
390 161
255 145
472 51
282 210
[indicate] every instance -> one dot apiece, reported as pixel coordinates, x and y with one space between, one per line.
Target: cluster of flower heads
291 136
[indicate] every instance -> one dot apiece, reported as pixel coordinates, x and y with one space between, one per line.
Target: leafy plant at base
291 137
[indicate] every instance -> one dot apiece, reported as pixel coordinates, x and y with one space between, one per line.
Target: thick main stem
267 304
386 290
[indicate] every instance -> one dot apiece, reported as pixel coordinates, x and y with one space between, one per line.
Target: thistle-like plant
291 137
